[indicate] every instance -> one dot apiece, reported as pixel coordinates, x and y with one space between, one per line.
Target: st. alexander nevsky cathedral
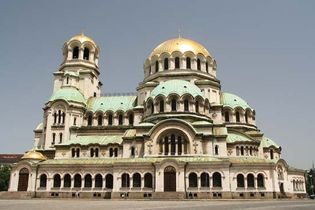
178 136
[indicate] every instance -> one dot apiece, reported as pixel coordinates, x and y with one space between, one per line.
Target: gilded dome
33 155
182 45
82 38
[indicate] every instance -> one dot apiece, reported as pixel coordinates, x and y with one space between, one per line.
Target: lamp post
312 185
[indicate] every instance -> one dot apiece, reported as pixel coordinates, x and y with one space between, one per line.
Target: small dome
33 155
82 38
39 126
182 45
233 101
179 87
68 94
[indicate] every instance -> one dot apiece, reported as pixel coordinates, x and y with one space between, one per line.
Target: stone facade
178 137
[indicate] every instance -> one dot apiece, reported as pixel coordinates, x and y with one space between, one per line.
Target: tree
310 182
4 177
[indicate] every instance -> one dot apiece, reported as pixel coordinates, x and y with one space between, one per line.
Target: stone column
81 53
69 57
198 182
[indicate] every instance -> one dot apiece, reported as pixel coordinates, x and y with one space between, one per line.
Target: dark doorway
23 179
281 188
169 179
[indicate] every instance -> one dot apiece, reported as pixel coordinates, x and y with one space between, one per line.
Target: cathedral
177 137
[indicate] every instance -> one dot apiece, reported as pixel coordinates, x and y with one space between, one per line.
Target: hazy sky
265 51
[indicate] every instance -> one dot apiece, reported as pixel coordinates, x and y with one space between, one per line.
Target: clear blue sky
265 52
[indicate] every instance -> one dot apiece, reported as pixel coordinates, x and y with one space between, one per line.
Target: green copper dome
68 94
179 87
233 101
111 103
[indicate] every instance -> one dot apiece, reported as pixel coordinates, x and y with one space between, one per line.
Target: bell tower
79 68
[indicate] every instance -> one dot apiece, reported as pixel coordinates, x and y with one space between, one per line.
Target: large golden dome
82 38
33 155
182 45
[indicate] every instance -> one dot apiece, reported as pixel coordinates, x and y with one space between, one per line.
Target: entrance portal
23 179
170 179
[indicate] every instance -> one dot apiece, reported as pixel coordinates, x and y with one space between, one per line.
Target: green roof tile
68 94
267 142
111 103
179 87
233 101
238 137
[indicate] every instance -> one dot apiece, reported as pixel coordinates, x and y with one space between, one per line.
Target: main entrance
23 179
170 179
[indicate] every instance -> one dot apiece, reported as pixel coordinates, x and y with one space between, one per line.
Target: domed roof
267 142
179 87
82 38
233 101
68 94
33 155
180 44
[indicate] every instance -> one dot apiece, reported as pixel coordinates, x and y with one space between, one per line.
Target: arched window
271 154
67 80
59 116
240 181
205 180
260 181
177 66
88 180
91 152
67 180
111 152
99 120
96 152
116 152
53 138
156 66
125 182
148 180
174 104
165 63
161 105
136 180
173 144
75 121
166 146
75 53
192 180
120 119
197 106
78 152
237 151
55 118
77 180
132 151
186 105
60 138
73 152
250 180
217 182
237 115
63 117
152 107
251 151
86 54
242 150
227 116
109 181
90 119
43 181
110 119
246 117
188 63
216 150
207 67
198 64
57 181
98 180
130 118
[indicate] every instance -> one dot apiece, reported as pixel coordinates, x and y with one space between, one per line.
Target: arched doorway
170 179
23 179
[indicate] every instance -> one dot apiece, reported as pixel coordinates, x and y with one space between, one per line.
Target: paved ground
64 204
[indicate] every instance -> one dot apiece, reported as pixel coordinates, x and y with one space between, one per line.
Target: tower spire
179 35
